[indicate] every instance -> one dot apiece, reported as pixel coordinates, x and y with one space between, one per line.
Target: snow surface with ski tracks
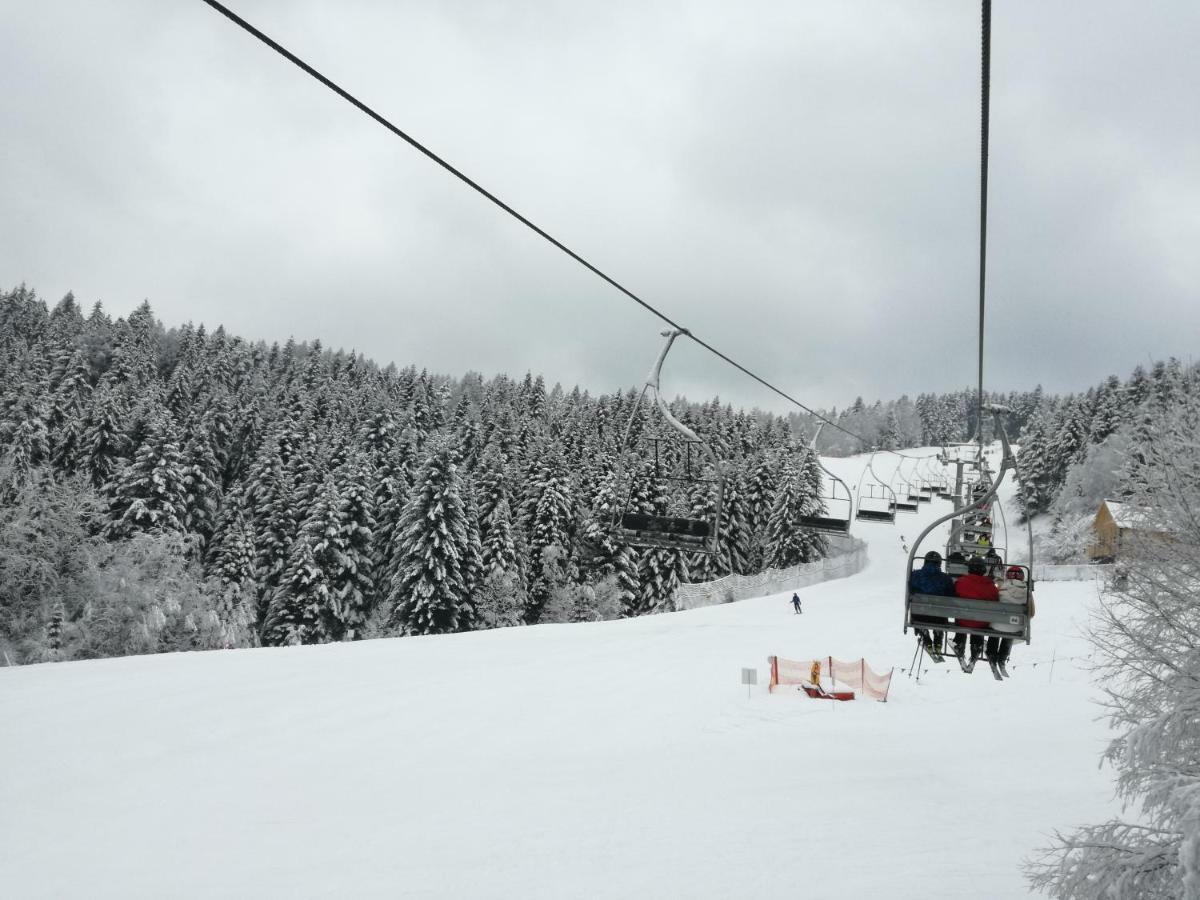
615 759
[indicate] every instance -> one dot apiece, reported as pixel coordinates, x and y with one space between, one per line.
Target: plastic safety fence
847 556
857 675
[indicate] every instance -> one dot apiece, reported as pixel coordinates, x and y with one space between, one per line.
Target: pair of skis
999 672
934 652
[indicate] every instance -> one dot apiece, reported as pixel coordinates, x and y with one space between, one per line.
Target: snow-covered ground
618 759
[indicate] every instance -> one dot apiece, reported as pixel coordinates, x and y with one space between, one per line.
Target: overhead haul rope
984 115
478 188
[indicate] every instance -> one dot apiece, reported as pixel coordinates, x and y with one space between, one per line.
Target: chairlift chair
832 501
876 501
1014 618
906 499
676 459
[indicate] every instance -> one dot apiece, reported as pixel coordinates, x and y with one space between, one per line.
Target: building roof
1126 515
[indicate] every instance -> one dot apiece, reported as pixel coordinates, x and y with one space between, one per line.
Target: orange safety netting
857 675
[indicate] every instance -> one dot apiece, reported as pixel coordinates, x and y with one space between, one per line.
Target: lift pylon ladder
675 459
831 522
876 501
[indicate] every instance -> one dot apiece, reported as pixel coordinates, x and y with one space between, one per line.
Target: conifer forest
169 488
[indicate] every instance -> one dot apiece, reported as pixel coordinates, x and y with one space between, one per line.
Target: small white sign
749 676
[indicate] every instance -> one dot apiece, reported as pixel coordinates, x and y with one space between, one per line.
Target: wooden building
1114 524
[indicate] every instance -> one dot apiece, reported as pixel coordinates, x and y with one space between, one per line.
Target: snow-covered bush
47 560
147 597
584 602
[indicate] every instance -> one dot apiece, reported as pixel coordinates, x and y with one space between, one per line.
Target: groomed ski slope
618 759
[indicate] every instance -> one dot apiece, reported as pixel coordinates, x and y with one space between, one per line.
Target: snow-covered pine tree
660 572
889 434
735 534
702 501
151 494
355 592
603 558
473 560
68 408
498 549
428 592
549 526
1033 467
201 479
135 358
1107 414
268 502
759 496
787 543
811 504
299 607
233 570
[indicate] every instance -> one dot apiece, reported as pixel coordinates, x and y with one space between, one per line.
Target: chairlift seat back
1012 615
825 524
876 515
668 532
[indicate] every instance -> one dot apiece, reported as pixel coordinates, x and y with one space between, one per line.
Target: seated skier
975 585
1013 590
930 579
994 563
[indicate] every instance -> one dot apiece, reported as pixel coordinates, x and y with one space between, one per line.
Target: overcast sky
797 182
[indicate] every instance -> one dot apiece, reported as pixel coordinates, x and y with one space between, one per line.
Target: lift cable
985 108
467 180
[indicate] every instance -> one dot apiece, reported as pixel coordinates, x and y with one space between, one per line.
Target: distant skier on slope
796 604
930 579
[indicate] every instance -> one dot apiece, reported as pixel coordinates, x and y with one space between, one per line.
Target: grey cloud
795 182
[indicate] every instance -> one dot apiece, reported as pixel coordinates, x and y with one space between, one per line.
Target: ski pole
913 662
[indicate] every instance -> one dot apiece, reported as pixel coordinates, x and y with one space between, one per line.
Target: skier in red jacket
975 585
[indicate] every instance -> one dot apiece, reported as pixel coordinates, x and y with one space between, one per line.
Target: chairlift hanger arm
813 447
654 380
874 474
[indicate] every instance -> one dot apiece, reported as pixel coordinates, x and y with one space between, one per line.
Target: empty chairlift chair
835 498
906 497
876 500
676 461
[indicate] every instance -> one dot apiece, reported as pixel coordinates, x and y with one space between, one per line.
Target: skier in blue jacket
930 579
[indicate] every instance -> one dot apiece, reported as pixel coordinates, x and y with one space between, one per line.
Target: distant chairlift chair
906 497
876 501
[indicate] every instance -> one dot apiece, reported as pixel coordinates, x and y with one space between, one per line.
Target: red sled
819 693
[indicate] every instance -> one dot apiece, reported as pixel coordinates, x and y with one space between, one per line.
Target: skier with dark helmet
930 579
